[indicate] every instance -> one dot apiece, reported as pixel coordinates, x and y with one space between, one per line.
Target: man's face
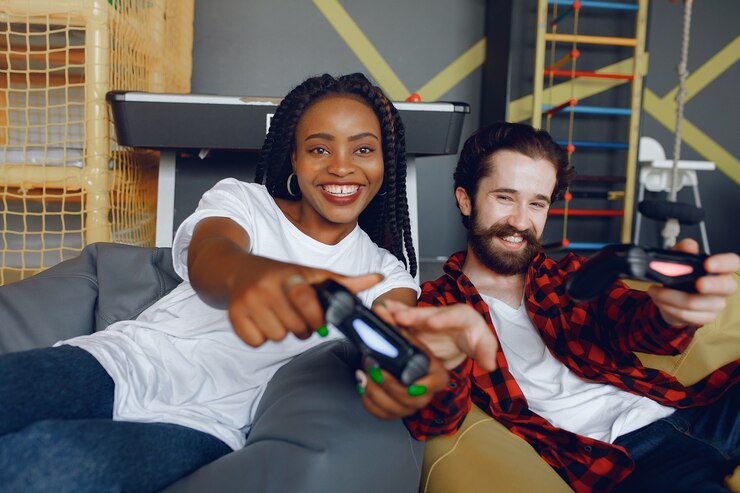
509 211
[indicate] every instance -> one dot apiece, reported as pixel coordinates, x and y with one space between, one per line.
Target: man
567 379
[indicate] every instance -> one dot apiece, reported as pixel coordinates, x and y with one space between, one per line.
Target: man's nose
519 218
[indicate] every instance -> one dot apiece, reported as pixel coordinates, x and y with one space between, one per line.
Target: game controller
676 270
371 335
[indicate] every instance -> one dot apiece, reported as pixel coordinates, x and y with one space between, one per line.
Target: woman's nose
340 164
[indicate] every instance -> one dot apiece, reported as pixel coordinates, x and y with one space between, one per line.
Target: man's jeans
57 435
692 450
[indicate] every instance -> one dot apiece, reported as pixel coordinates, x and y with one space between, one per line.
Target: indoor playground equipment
568 52
64 182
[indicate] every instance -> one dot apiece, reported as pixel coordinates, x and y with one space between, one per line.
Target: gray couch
333 438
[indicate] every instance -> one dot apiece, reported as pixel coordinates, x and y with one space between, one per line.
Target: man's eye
539 205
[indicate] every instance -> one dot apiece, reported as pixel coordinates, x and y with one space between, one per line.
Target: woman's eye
365 150
318 150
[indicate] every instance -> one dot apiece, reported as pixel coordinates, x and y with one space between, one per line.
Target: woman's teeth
341 190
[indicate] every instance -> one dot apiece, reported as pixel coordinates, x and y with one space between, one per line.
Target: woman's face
338 159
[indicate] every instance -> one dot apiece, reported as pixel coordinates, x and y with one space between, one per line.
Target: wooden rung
588 212
583 73
75 56
57 79
594 40
27 177
599 179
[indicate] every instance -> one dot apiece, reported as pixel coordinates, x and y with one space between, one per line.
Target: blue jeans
692 450
56 431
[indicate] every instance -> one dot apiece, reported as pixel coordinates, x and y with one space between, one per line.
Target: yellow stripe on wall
451 75
710 70
365 51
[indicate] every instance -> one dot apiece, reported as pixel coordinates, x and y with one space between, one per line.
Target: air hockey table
172 123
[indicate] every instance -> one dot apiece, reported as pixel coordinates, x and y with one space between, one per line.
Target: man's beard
500 260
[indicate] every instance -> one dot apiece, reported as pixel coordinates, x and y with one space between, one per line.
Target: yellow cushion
484 456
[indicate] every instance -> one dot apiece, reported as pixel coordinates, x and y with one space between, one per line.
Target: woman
148 401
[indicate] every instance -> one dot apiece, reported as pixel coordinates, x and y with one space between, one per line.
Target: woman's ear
463 201
292 159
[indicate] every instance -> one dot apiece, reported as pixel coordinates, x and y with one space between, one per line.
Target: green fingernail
360 389
376 375
417 390
323 331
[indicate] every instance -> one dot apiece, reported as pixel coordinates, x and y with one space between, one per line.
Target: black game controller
676 270
371 335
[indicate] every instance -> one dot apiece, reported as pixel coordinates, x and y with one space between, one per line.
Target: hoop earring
287 185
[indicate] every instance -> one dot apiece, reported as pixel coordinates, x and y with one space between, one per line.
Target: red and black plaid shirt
593 339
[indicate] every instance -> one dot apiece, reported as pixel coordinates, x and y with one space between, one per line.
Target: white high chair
655 176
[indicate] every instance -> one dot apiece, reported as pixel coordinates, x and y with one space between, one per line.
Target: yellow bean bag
483 456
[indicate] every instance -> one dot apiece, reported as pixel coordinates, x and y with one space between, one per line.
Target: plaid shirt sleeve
628 320
445 413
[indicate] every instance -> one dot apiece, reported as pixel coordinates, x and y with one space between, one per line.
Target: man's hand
451 333
700 308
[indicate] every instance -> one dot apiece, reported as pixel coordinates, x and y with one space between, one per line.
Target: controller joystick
676 270
370 334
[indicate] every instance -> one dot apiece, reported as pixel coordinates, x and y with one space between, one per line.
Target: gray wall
263 48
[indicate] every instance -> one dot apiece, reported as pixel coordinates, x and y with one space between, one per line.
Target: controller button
670 269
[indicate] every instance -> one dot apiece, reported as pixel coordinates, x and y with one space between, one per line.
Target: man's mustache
499 230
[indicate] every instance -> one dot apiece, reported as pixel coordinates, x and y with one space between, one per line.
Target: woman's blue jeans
57 435
692 450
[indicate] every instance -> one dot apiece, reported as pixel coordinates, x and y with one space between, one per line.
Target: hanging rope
683 74
672 226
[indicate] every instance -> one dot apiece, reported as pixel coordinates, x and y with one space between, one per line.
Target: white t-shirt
181 362
596 410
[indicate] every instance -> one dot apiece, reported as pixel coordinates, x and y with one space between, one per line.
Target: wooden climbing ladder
551 14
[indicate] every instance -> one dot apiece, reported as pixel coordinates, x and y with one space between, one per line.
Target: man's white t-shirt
596 410
181 362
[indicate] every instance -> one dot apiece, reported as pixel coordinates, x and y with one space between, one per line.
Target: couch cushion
484 456
67 299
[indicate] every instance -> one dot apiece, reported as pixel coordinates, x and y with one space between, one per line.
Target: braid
386 219
403 210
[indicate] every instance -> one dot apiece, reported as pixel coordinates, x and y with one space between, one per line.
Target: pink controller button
671 269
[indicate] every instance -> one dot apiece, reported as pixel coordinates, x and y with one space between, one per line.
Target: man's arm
455 334
663 320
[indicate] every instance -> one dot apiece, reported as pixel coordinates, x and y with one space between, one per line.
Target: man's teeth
341 190
513 239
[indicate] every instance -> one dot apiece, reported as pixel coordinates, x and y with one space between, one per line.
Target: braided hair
386 219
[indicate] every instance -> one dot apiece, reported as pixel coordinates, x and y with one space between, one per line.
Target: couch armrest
107 282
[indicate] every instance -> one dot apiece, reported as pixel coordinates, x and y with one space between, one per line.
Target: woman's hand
700 308
447 334
271 299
